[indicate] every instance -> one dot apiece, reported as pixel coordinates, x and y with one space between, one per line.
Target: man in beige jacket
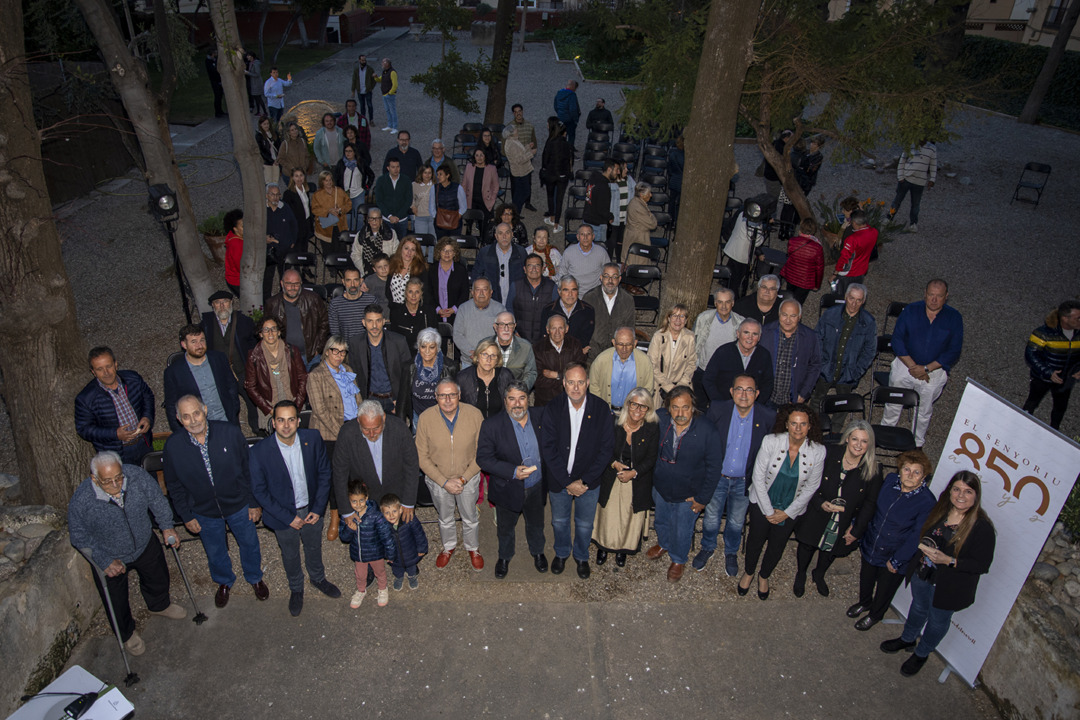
446 438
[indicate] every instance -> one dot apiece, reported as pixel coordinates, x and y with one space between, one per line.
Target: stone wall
1033 670
46 600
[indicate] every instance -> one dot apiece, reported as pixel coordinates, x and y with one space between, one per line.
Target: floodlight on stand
163 203
752 210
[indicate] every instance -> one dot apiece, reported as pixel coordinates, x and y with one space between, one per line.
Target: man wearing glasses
741 423
110 513
687 468
305 317
517 353
620 369
502 263
613 307
576 441
446 437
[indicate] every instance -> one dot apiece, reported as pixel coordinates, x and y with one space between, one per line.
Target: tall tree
720 74
500 62
231 65
42 353
1053 59
149 117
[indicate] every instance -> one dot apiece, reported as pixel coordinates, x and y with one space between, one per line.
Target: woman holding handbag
446 203
329 207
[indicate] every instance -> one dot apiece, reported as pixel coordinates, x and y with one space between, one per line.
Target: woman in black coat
956 549
413 315
447 269
842 507
298 197
555 168
626 486
483 384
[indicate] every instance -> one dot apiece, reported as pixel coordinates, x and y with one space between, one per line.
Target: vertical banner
1027 472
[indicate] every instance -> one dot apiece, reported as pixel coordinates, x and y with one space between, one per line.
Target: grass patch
193 102
571 44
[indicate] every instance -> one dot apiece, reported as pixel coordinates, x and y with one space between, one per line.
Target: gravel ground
1007 265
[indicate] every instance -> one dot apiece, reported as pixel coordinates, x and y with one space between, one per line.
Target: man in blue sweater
687 467
568 110
110 515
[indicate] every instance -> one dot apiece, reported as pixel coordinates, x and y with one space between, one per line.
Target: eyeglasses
624 345
447 396
490 356
291 284
608 276
670 453
638 406
502 271
337 351
118 480
678 316
505 325
270 330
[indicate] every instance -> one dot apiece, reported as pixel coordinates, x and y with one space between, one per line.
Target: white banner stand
1028 470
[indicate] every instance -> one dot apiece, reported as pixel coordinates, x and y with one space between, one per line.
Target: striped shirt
347 316
919 165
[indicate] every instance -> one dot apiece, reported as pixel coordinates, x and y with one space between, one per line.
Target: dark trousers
219 95
798 293
364 100
133 454
520 191
289 541
739 273
877 586
805 554
764 535
902 189
330 461
701 397
556 194
615 240
399 570
268 287
153 583
252 411
506 524
843 281
1059 393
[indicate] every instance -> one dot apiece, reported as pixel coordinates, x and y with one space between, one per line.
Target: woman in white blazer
787 472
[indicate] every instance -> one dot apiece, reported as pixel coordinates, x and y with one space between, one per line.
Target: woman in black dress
484 383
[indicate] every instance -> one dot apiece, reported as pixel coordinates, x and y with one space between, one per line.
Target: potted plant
213 232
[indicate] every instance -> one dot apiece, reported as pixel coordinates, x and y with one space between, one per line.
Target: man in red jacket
854 259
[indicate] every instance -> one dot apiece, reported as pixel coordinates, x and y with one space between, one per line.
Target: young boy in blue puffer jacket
370 544
410 540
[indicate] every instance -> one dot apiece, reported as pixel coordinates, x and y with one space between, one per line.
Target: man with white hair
232 333
796 356
517 353
110 515
440 159
713 328
521 169
848 337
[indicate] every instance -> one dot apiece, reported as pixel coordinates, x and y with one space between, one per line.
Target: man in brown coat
553 355
307 322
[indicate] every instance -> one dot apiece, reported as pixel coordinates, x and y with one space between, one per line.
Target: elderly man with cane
110 515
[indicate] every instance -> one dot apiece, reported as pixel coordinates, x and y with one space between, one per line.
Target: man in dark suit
290 478
232 333
796 354
576 440
377 448
204 373
742 423
580 316
742 356
379 360
115 411
508 450
206 473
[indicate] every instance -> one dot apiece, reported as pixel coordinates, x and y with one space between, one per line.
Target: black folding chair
1033 180
644 276
839 404
894 439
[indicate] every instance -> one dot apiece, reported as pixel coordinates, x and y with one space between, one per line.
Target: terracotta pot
216 243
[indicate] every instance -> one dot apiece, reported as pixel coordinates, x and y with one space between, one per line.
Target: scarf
432 374
549 267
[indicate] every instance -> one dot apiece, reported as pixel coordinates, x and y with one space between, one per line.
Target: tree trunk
164 41
42 353
320 25
1050 66
231 66
524 14
149 118
782 165
500 62
301 25
285 35
264 12
710 156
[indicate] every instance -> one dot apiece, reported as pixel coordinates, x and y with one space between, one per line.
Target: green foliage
214 226
453 81
483 9
443 15
998 75
54 28
184 52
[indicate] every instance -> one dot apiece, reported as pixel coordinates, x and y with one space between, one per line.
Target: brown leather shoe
477 559
674 573
444 558
655 552
221 599
332 525
261 591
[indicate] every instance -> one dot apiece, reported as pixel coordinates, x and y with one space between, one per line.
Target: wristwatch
952 562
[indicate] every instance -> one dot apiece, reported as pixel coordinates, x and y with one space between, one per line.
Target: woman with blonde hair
626 486
330 207
483 384
672 352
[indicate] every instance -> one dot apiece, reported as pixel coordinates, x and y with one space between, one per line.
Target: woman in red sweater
234 248
854 260
805 264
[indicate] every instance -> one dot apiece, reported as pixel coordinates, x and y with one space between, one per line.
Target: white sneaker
549 220
135 645
384 597
386 129
557 228
393 131
357 598
913 228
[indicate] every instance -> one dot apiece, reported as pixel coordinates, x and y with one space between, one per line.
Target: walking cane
131 678
199 618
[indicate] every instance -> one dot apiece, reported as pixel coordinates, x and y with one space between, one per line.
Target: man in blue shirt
742 424
927 341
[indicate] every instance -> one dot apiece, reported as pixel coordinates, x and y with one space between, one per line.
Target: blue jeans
364 100
902 189
217 548
923 613
401 227
390 102
312 363
730 496
275 113
584 515
674 523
